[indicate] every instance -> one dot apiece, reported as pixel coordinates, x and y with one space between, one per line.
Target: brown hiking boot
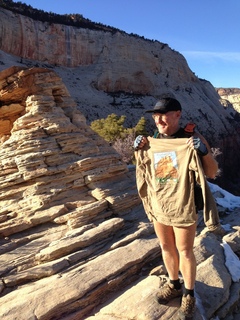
187 309
168 292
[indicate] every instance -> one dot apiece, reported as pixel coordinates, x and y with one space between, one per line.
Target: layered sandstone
230 97
45 139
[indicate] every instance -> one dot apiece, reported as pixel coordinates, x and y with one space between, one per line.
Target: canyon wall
230 96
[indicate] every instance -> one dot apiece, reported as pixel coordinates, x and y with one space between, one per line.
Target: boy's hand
139 142
198 145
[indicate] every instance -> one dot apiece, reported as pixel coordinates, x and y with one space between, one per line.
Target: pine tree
140 128
110 128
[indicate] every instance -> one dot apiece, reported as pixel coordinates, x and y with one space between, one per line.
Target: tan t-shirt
165 180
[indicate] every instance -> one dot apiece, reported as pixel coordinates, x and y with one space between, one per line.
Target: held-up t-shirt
165 180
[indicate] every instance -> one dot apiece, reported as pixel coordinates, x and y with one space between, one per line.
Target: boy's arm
210 165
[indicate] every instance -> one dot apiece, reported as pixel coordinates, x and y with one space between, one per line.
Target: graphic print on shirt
166 166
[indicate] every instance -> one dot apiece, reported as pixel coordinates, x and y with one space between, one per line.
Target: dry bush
125 147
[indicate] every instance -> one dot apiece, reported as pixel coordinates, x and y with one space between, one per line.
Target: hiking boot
167 292
187 309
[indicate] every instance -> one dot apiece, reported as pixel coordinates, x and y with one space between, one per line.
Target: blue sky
206 32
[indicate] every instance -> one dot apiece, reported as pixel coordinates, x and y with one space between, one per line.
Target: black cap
165 105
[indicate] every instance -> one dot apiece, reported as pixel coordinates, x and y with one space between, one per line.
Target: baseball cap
165 105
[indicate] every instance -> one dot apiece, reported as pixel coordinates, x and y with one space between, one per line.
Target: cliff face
117 73
230 96
123 63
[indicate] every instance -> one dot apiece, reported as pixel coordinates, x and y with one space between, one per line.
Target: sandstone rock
104 273
230 97
139 303
35 273
217 285
45 146
70 243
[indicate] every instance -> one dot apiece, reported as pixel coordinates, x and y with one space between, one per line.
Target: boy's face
167 123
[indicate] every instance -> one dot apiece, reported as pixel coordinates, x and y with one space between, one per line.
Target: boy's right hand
139 142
